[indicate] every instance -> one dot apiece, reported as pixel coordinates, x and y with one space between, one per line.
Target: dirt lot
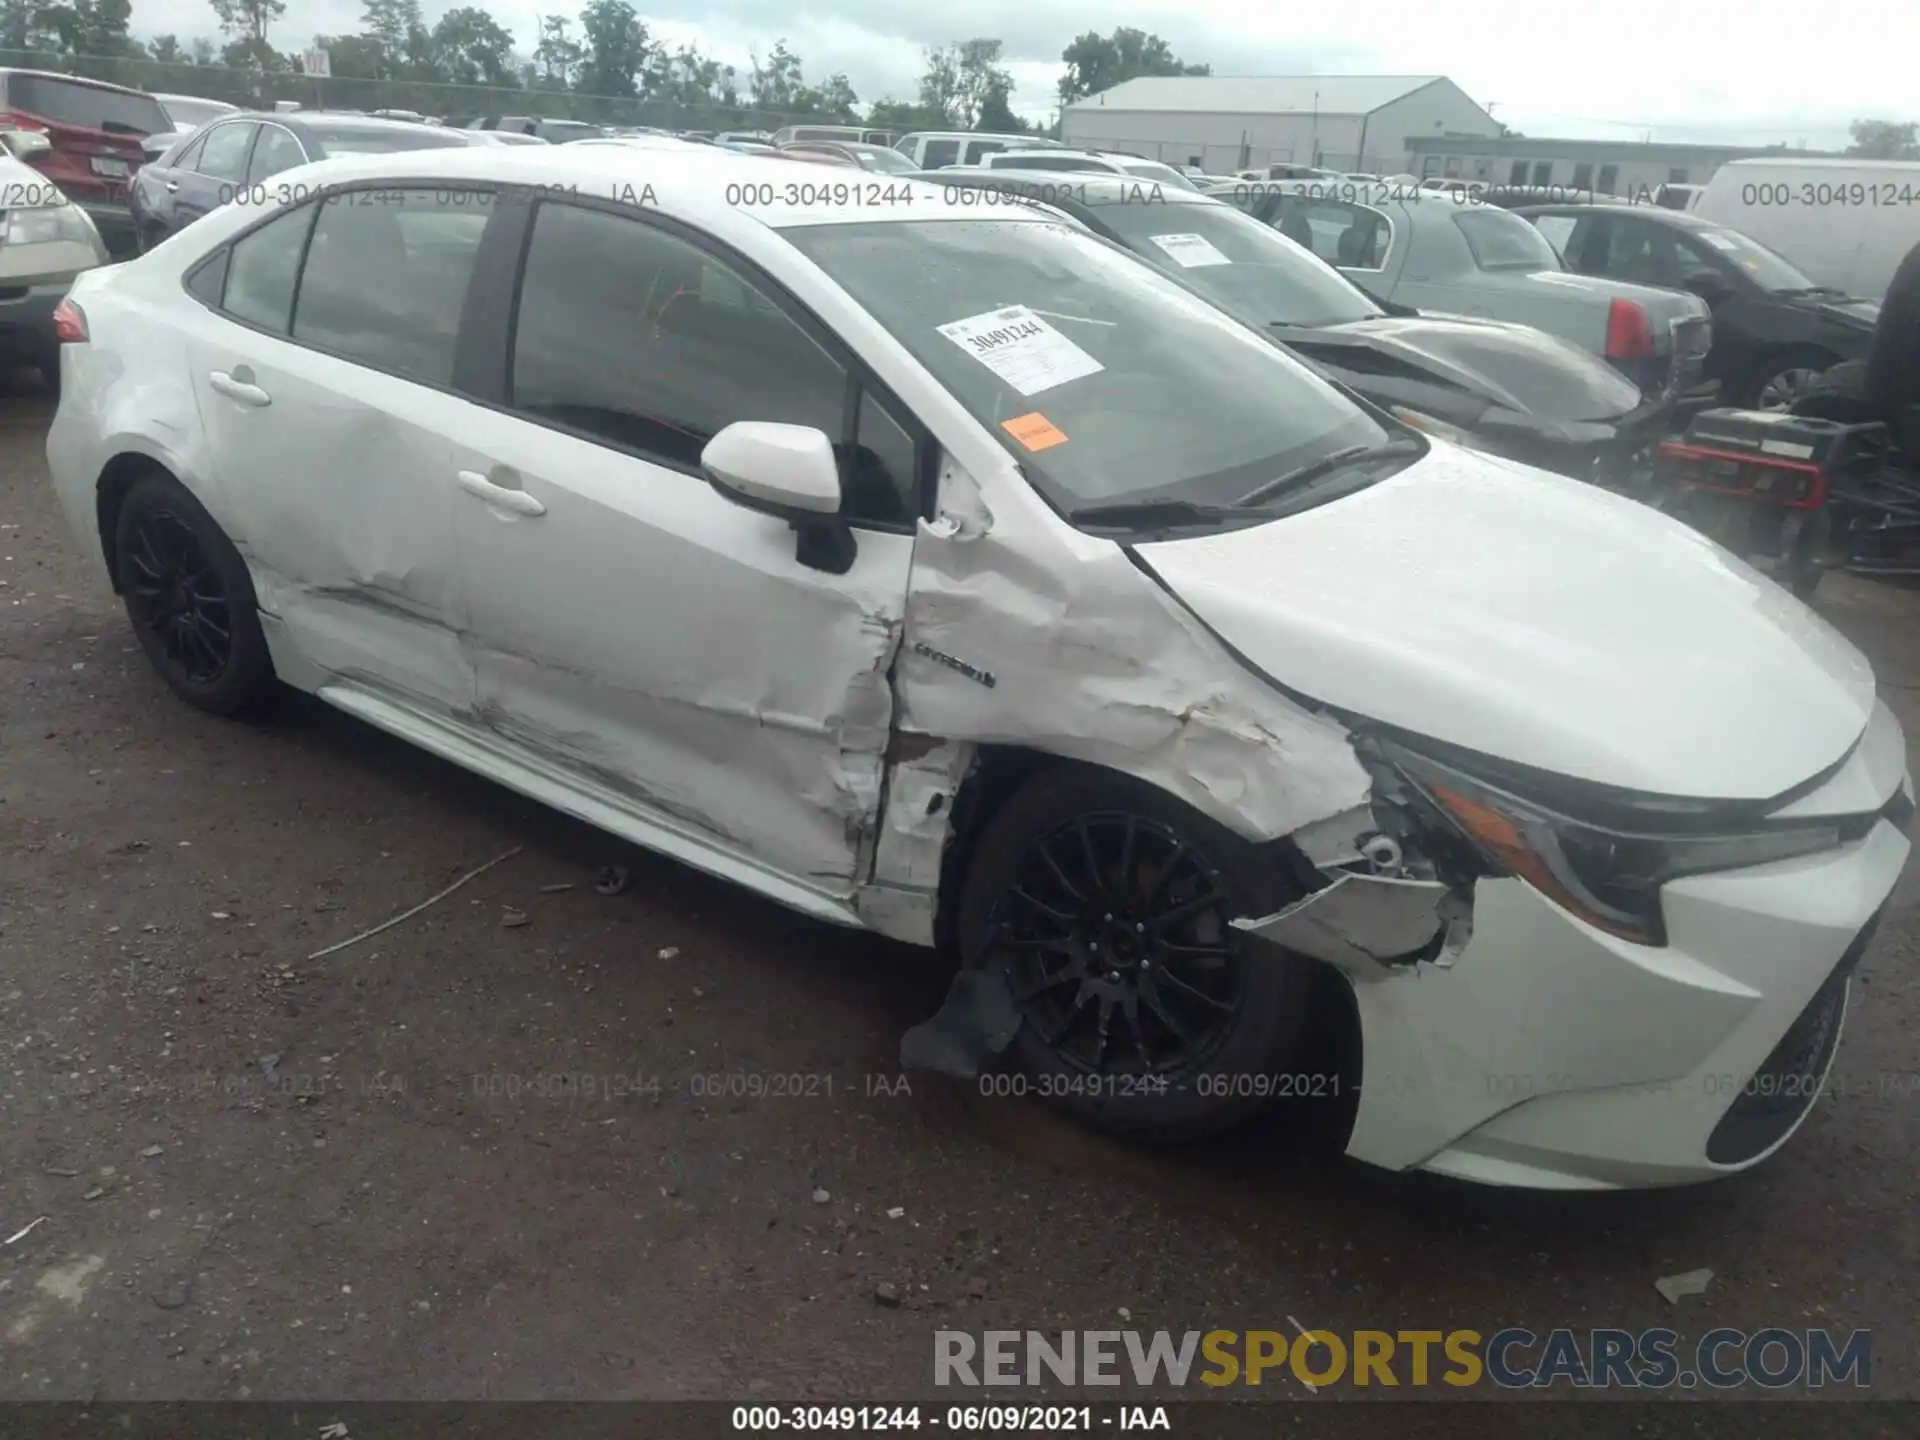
470 1159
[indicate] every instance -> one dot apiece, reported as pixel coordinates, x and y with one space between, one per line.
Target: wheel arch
117 477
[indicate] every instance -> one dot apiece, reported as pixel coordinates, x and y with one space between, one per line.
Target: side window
190 157
1586 247
1583 177
276 150
1543 172
1517 175
883 471
1559 232
982 148
1695 263
1350 236
1609 177
386 279
261 273
225 155
632 335
936 153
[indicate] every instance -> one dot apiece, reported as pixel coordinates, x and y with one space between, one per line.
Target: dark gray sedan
1448 254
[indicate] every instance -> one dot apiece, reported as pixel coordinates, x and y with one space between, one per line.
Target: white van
936 149
1846 223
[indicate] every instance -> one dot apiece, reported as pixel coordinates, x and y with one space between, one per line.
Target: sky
1674 70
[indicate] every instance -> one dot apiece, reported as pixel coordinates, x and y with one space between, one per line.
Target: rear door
328 423
218 174
663 647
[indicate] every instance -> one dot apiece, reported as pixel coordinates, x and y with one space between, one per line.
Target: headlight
1609 878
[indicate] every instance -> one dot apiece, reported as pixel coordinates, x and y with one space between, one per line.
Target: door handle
172 185
518 501
235 387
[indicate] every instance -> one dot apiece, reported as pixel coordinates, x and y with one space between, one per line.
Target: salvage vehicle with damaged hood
1503 388
913 567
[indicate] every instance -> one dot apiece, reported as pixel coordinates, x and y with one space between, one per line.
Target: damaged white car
941 569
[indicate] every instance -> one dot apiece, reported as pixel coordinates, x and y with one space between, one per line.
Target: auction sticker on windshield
1034 431
1022 349
1191 252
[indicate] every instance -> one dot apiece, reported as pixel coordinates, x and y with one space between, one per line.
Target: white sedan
931 566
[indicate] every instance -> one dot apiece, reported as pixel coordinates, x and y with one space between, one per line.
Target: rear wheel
190 600
1779 379
1893 359
1143 1012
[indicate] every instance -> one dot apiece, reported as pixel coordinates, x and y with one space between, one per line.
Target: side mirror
787 471
1709 285
25 144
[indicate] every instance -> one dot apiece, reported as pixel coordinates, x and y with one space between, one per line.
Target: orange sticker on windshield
1034 431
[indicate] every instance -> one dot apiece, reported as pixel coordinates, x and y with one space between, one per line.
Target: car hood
1514 366
1861 314
1529 617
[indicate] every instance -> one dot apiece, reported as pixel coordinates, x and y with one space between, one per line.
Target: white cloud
1694 70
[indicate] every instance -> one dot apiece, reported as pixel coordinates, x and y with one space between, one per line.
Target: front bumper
1533 1050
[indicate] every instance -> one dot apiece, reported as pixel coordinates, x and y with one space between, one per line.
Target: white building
1342 122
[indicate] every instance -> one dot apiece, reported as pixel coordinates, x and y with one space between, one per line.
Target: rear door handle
240 387
172 185
518 501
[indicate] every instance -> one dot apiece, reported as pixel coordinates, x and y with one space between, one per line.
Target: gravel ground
469 1158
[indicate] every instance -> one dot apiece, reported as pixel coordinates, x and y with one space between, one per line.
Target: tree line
606 52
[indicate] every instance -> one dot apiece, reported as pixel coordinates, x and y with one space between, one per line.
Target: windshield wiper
1132 514
1328 464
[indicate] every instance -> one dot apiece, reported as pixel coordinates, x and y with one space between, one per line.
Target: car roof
194 99
1678 218
1088 187
699 185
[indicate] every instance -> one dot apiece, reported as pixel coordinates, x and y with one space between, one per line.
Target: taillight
1629 336
70 323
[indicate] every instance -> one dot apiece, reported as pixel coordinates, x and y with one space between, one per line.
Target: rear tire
190 600
1779 378
1893 357
1107 902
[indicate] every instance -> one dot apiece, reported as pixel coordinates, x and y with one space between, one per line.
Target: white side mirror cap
784 469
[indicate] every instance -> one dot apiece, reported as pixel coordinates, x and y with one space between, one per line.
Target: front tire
1143 1013
190 600
1780 378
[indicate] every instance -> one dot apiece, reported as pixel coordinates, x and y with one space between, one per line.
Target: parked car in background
1505 389
235 157
881 159
185 114
557 132
645 142
1844 223
507 137
837 134
1283 171
743 137
1774 329
45 241
936 149
93 132
1468 259
815 155
1221 692
411 116
748 147
1674 195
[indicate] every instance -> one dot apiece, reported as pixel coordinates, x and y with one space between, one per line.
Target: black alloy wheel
1123 958
180 597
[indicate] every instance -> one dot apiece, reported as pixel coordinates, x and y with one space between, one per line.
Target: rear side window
386 279
274 151
937 153
1501 240
981 148
261 274
66 103
224 156
189 158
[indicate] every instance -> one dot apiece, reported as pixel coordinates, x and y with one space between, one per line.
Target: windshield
356 140
1767 268
64 102
1155 171
1240 264
1501 240
1105 379
888 162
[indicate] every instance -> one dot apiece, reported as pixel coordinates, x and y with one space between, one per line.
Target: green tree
834 100
1097 62
558 55
166 49
247 19
996 113
354 57
617 48
905 116
961 78
777 84
389 22
471 48
202 50
88 27
1885 140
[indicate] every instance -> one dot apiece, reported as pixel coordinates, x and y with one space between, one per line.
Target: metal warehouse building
1611 167
1343 122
